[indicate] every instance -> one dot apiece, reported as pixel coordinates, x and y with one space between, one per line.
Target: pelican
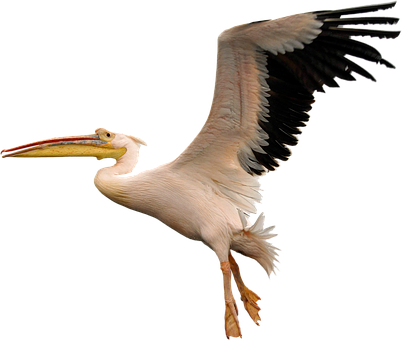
267 73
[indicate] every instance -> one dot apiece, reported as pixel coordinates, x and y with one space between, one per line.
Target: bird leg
248 297
232 326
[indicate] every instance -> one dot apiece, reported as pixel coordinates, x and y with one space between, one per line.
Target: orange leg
232 326
248 297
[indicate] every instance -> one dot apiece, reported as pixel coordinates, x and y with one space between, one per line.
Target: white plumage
266 74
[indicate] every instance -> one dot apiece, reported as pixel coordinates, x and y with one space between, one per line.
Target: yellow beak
79 146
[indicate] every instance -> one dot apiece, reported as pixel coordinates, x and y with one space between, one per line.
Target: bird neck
136 191
109 180
126 163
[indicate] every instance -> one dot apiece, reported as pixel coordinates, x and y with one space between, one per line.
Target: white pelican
267 72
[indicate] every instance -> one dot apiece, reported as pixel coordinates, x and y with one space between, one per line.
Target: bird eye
108 134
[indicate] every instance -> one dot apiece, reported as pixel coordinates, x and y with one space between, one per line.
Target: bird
267 74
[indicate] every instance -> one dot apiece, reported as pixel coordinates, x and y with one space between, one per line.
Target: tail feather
252 242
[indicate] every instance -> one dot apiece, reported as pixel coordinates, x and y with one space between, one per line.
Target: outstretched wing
267 73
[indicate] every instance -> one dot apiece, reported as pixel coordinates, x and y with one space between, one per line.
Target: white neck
149 192
118 183
126 163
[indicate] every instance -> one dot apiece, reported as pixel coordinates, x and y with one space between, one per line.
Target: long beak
79 146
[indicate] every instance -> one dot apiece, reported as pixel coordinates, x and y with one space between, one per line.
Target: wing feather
267 72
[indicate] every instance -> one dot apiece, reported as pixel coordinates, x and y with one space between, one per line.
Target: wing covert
267 73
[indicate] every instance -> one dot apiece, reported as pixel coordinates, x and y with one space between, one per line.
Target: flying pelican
267 73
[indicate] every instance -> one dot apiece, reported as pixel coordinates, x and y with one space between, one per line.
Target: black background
71 258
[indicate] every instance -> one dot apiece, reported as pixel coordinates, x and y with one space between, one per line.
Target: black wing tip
361 21
349 32
334 32
333 44
372 7
386 63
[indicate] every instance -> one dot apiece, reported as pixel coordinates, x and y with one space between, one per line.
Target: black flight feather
295 76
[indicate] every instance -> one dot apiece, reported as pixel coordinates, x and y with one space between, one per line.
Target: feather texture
252 243
267 74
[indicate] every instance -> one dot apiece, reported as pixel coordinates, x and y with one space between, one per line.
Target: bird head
103 144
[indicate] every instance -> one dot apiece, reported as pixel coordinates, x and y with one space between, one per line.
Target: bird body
267 72
195 208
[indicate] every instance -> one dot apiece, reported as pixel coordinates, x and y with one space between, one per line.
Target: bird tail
252 242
